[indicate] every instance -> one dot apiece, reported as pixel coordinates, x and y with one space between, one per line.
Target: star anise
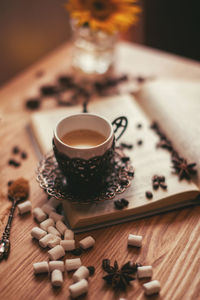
119 278
182 168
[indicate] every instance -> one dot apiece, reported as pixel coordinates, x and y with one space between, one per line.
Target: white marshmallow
56 217
152 287
81 273
144 271
54 242
44 241
56 278
53 230
78 288
47 208
54 202
68 235
56 252
37 233
87 242
61 227
39 215
45 224
24 207
72 264
41 267
56 265
68 245
135 240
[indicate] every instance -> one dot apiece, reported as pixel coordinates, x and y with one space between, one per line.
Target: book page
175 105
146 160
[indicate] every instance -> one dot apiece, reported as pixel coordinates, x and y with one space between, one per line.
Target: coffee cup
84 146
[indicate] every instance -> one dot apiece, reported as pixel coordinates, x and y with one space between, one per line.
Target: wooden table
171 241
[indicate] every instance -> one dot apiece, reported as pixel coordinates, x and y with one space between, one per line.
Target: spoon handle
5 242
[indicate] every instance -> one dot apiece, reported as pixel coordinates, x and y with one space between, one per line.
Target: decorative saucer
55 184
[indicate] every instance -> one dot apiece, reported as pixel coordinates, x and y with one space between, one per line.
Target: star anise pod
119 278
182 168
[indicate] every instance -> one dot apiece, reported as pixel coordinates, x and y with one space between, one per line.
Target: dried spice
33 104
125 159
149 194
91 270
19 189
183 169
85 110
119 278
180 165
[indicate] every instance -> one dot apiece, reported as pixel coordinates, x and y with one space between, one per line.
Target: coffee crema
83 138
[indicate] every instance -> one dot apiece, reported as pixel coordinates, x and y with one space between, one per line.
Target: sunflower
104 15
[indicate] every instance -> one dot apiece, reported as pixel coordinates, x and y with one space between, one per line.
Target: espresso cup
91 164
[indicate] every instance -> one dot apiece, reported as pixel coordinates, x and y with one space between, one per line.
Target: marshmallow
56 252
87 242
81 273
72 264
56 278
44 241
56 217
47 208
54 242
68 245
37 233
78 288
61 227
144 271
53 230
56 265
151 287
68 235
135 240
39 215
24 207
41 267
45 224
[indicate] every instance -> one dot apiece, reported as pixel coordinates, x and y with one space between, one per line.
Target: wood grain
171 240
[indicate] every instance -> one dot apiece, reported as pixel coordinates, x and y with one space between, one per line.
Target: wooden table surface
171 241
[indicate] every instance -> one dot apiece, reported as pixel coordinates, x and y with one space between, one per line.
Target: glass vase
93 51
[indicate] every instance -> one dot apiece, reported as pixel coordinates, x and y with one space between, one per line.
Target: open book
176 107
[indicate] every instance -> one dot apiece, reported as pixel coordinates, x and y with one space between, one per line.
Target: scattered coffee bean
91 270
23 155
163 186
10 182
149 195
139 142
127 146
155 185
49 90
14 163
33 103
15 150
125 159
139 125
125 202
77 251
121 203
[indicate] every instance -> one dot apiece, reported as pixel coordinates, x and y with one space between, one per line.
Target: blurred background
29 29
